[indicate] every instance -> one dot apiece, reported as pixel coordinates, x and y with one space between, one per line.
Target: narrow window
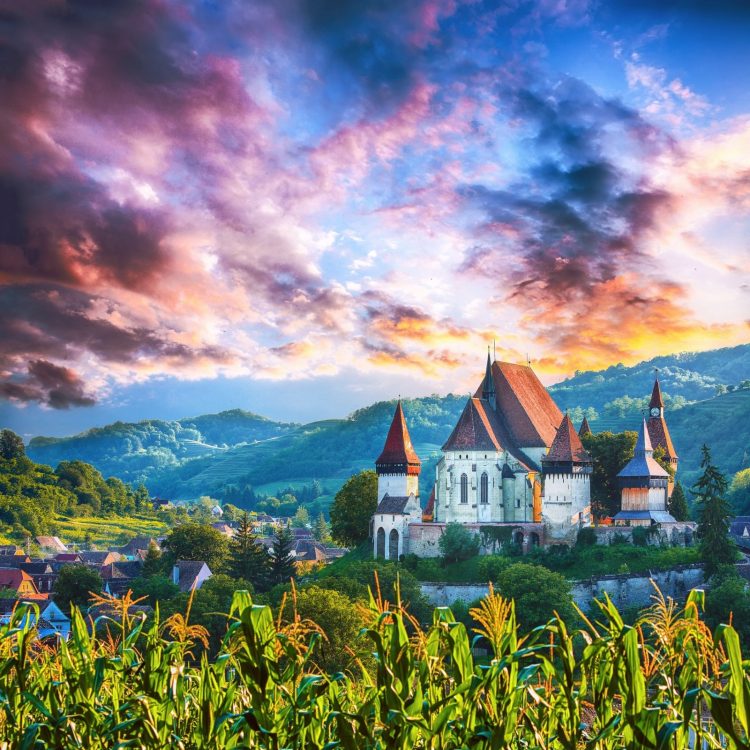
464 488
484 494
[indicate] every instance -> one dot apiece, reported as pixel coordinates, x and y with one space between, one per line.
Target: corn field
665 682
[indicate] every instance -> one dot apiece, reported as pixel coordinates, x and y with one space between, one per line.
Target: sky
299 207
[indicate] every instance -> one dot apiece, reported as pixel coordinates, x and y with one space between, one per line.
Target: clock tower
658 430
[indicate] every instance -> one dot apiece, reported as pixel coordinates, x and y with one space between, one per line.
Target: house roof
398 452
52 543
656 398
37 568
585 428
567 445
12 578
392 505
473 431
98 557
308 550
135 544
643 464
188 572
122 569
524 407
68 557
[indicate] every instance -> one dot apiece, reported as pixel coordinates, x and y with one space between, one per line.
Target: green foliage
195 541
321 530
739 492
586 537
490 566
301 518
667 683
539 593
728 599
11 445
678 506
457 543
75 585
714 515
152 564
609 452
282 566
248 558
157 588
341 622
353 508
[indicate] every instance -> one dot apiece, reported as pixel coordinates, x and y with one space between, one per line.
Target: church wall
448 505
397 485
535 454
424 538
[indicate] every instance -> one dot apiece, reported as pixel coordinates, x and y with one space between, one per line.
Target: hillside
223 453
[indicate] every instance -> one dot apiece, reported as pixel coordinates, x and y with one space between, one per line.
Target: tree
353 507
609 454
231 512
301 518
321 530
11 445
340 621
714 513
248 558
538 593
158 588
458 543
727 597
739 491
195 541
75 584
152 563
678 503
282 557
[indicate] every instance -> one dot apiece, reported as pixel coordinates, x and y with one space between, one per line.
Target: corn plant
122 681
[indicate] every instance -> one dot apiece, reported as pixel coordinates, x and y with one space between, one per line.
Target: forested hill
223 453
685 378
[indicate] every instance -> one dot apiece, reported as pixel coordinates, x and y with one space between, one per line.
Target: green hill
221 454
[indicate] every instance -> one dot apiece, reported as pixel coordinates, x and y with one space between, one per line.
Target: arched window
464 488
484 489
393 545
380 547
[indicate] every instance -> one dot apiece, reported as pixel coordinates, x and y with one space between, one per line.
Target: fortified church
513 468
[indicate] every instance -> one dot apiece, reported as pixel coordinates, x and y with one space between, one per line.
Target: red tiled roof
473 432
12 578
656 399
660 438
567 445
398 450
585 428
523 404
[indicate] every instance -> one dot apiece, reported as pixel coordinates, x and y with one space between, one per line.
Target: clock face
655 412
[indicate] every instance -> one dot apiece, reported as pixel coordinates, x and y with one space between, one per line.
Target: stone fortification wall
424 538
681 533
629 590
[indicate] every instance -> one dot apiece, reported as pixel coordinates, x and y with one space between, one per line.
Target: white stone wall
448 506
625 590
566 504
398 521
397 485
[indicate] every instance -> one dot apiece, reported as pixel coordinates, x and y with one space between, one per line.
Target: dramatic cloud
311 188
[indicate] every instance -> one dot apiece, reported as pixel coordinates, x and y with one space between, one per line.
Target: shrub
458 543
586 537
490 567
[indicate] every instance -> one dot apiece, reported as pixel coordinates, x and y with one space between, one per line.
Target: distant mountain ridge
214 453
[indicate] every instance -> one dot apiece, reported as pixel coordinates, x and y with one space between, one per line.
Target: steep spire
585 428
643 443
656 400
488 386
642 467
567 446
398 456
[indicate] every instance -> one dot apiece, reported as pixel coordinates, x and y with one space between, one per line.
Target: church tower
658 431
398 466
643 486
567 482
